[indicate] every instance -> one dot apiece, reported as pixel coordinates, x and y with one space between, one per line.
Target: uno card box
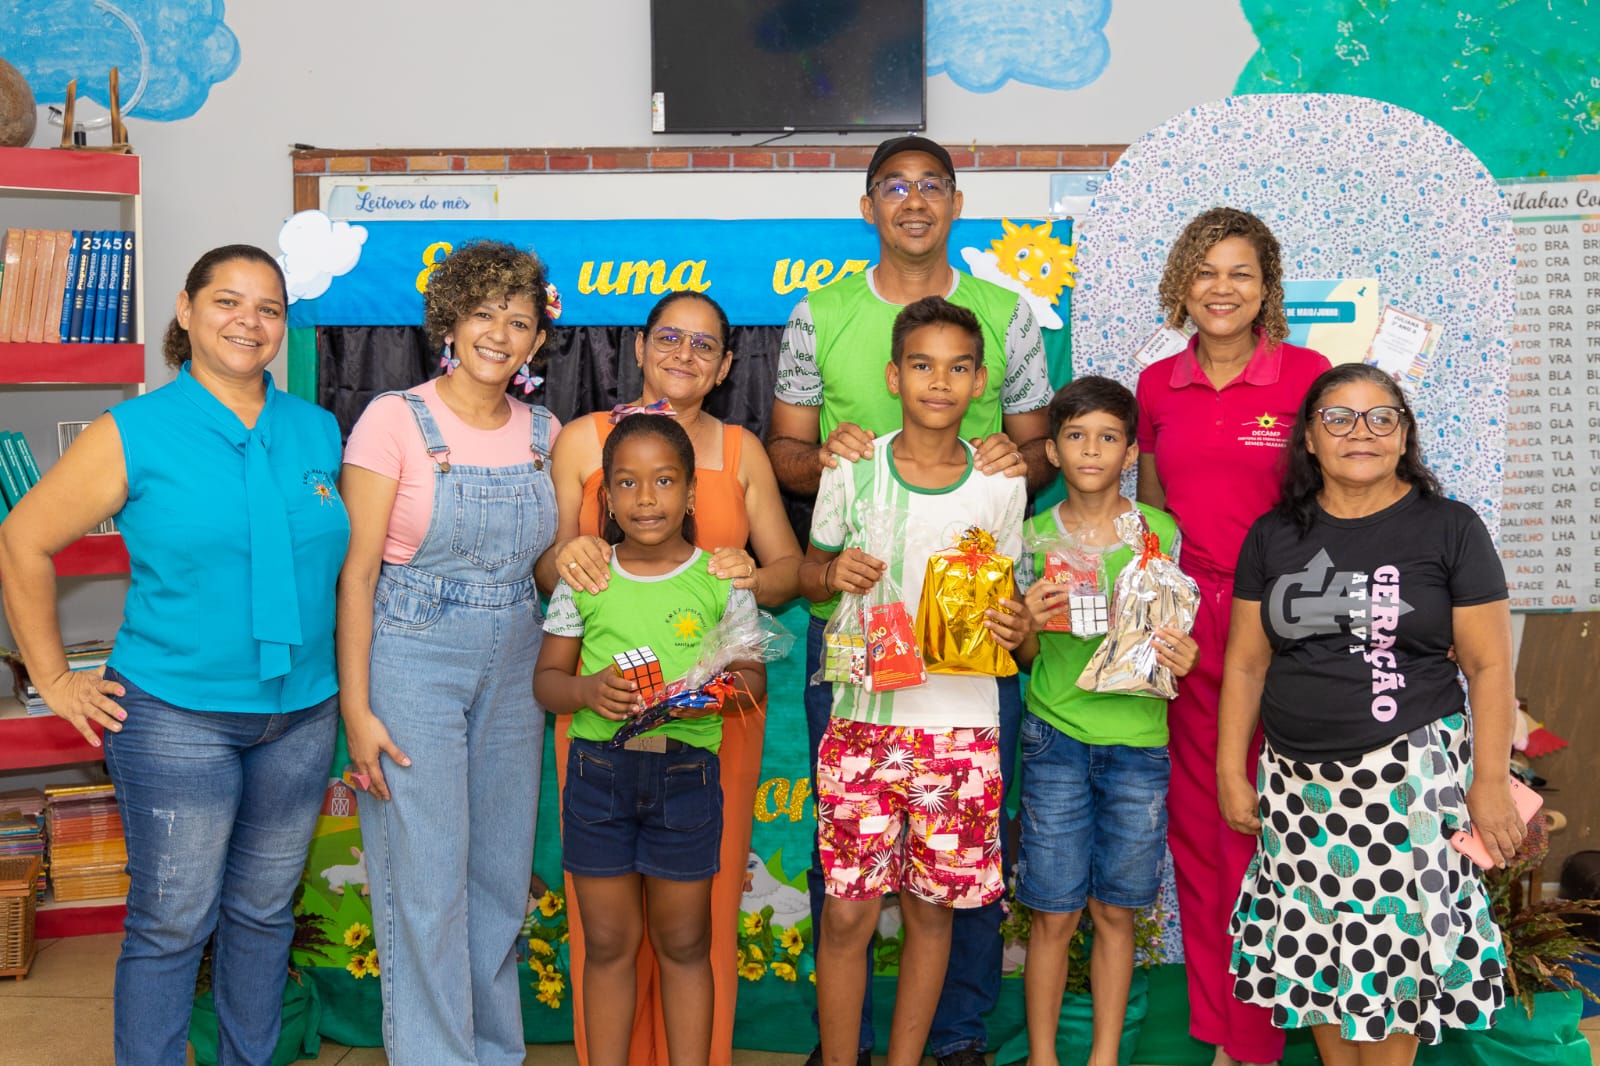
640 666
893 660
844 658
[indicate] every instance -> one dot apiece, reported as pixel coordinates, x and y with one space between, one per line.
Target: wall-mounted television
775 66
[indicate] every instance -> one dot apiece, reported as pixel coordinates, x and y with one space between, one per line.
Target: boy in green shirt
1094 764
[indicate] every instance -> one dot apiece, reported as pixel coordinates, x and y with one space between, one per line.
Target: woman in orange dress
739 519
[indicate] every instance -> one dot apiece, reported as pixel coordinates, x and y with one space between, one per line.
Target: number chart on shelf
1549 540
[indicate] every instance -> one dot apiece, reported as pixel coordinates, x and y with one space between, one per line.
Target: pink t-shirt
1220 454
387 440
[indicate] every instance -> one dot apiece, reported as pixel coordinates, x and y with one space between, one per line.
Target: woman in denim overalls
439 627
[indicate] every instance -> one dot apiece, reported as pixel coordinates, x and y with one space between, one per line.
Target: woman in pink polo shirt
1214 421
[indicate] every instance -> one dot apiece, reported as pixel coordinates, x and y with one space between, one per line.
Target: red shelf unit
42 740
60 170
98 553
71 364
86 919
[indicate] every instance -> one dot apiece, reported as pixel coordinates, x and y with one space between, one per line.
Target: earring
689 510
528 379
448 362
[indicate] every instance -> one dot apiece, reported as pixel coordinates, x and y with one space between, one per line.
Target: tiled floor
60 1015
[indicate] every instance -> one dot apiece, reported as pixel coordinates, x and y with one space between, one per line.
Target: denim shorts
1094 821
658 814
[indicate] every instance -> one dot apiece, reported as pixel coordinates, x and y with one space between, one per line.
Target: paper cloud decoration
169 53
316 250
1056 44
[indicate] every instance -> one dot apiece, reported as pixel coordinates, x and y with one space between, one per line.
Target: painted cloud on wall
1519 84
316 250
1055 44
169 52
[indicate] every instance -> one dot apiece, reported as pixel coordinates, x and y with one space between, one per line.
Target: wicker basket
18 898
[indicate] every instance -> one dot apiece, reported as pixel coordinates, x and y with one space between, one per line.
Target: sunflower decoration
358 935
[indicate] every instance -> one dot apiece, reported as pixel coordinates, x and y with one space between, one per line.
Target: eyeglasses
893 190
704 346
1341 421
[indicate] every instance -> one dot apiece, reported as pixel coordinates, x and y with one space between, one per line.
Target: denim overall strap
539 435
432 439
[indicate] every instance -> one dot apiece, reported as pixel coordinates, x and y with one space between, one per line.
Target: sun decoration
1040 261
1266 421
687 626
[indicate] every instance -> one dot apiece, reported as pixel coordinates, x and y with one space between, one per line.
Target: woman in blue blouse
218 705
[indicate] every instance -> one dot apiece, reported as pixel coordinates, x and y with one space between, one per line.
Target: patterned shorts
905 809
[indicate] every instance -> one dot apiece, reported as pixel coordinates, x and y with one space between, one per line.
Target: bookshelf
52 188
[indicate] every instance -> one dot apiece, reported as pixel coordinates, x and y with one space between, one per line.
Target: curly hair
478 271
1189 251
1302 480
175 347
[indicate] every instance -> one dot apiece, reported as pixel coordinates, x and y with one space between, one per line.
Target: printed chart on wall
1548 539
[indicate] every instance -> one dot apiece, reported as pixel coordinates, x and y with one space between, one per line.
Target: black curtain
587 368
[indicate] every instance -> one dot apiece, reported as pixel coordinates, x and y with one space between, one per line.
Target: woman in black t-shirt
1356 918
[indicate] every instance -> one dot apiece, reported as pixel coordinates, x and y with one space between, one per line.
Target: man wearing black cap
832 400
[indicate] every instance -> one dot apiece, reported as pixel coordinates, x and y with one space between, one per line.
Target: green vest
854 326
1053 692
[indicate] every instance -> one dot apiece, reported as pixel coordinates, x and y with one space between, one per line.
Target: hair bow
552 302
662 406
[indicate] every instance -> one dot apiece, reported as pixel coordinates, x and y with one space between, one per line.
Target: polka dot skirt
1356 911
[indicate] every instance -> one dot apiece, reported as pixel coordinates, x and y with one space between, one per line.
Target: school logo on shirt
323 485
688 626
1266 430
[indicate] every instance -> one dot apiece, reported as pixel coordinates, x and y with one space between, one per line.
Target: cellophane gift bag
961 583
1151 592
1082 572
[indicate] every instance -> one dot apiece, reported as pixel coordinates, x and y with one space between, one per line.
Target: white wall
538 73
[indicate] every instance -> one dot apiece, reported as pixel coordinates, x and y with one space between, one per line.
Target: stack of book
22 827
67 285
85 655
19 470
87 851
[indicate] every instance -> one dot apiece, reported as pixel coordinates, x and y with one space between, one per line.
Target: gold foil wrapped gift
962 583
1151 592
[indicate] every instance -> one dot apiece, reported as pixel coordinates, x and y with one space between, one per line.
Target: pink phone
1471 844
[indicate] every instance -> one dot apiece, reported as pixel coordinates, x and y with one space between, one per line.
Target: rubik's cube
640 666
1091 615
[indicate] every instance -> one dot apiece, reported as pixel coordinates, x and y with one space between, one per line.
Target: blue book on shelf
25 458
124 329
97 252
105 309
79 287
12 482
73 255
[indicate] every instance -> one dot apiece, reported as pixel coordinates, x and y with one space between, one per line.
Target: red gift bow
971 549
1152 549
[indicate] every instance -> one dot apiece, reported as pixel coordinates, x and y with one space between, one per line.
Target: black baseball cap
895 145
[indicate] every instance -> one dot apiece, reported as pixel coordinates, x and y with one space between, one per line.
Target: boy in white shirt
909 786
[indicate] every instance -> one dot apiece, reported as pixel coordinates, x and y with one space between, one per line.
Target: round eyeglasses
669 339
1341 421
893 190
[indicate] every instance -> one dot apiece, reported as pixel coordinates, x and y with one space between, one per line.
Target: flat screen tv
775 66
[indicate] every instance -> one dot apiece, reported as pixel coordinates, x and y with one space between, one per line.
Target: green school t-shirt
670 613
1053 692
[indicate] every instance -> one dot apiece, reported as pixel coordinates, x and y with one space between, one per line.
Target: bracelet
827 575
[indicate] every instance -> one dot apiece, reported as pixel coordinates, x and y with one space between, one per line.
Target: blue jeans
1094 821
450 852
657 814
218 811
972 979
